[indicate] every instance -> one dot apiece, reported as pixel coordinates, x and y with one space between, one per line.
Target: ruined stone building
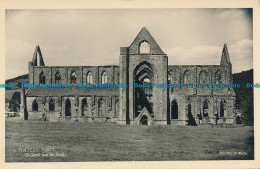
142 62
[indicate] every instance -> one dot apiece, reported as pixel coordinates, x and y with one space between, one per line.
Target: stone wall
66 71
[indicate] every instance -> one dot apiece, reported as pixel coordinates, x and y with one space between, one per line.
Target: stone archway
143 97
84 106
174 110
67 107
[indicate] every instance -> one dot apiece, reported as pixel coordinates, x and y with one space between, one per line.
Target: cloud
230 13
241 55
94 37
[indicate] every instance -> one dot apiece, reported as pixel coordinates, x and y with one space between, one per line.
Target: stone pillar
124 92
22 105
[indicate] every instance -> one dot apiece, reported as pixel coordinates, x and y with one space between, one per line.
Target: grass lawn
59 141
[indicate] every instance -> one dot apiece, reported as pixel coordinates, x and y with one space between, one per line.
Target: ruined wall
65 72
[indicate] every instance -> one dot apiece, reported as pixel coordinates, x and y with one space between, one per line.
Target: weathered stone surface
130 105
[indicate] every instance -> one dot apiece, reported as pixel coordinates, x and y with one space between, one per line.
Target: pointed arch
42 78
89 78
103 77
118 78
37 57
170 77
116 107
218 77
35 105
144 47
206 107
143 73
187 77
100 107
67 107
84 106
222 108
73 77
57 78
51 105
174 110
203 77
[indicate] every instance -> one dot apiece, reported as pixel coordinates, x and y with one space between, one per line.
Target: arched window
222 108
42 78
51 105
117 108
89 79
169 79
218 77
186 77
118 78
35 105
144 47
67 107
104 78
73 78
174 108
84 107
100 107
57 78
203 77
205 109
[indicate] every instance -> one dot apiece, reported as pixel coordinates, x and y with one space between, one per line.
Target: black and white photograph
121 85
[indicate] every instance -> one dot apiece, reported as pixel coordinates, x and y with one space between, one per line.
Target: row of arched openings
206 108
84 106
35 106
73 78
203 77
174 109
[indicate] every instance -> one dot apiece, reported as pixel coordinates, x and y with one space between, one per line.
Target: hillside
244 95
12 95
17 81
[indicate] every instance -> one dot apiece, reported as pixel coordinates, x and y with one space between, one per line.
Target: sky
94 36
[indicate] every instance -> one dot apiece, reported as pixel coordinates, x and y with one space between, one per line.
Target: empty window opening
144 47
35 106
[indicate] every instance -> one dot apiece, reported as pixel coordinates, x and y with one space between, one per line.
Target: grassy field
53 141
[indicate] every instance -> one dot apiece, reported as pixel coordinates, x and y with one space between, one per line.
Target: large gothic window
42 78
51 105
104 78
89 78
73 78
203 77
144 47
187 77
143 74
57 78
35 105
